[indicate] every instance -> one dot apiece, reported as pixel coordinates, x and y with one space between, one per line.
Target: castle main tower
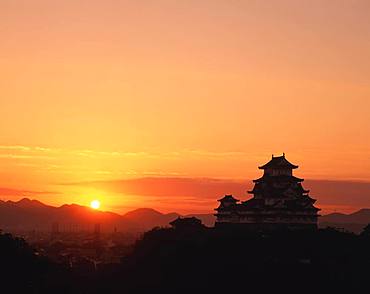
279 201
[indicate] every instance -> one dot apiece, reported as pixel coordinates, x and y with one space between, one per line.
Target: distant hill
29 214
149 218
361 216
353 222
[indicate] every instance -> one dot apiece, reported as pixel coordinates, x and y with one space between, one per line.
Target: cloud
346 193
329 193
20 156
20 151
170 186
15 147
15 192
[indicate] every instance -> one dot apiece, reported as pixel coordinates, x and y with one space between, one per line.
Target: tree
366 231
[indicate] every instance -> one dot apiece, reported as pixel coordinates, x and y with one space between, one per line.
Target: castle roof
278 162
228 198
290 205
280 178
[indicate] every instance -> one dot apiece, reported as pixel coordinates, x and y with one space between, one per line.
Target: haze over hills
148 217
27 214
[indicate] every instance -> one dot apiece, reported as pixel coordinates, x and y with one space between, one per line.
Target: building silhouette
279 201
187 223
97 231
55 228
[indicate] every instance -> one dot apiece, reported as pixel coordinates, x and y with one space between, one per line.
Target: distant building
279 201
187 223
97 229
55 228
366 231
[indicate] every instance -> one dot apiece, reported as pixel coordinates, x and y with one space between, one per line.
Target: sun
95 204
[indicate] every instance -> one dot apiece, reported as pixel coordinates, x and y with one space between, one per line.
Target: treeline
207 261
214 261
22 270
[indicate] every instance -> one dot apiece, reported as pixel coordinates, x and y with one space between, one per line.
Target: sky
96 96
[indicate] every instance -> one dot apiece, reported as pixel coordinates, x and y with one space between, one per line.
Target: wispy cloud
24 156
14 147
119 153
330 194
117 163
15 192
32 150
170 186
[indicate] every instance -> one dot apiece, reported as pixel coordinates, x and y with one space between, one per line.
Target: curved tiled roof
278 178
228 198
278 162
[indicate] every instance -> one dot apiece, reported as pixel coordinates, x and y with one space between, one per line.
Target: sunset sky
171 104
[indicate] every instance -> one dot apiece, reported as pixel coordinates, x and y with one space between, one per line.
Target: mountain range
353 222
27 214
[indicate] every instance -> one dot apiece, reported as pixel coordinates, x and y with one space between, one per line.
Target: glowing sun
95 204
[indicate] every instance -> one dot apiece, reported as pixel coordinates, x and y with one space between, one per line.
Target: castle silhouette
279 201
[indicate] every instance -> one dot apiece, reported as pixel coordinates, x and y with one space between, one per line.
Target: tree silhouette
22 270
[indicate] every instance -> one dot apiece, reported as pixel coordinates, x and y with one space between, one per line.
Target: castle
279 201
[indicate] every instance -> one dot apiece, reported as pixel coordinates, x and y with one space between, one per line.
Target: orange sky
115 90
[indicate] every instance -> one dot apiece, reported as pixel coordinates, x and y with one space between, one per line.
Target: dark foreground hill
23 271
203 260
211 261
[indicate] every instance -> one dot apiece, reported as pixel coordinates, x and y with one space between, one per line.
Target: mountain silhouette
353 222
28 203
27 214
148 217
359 217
